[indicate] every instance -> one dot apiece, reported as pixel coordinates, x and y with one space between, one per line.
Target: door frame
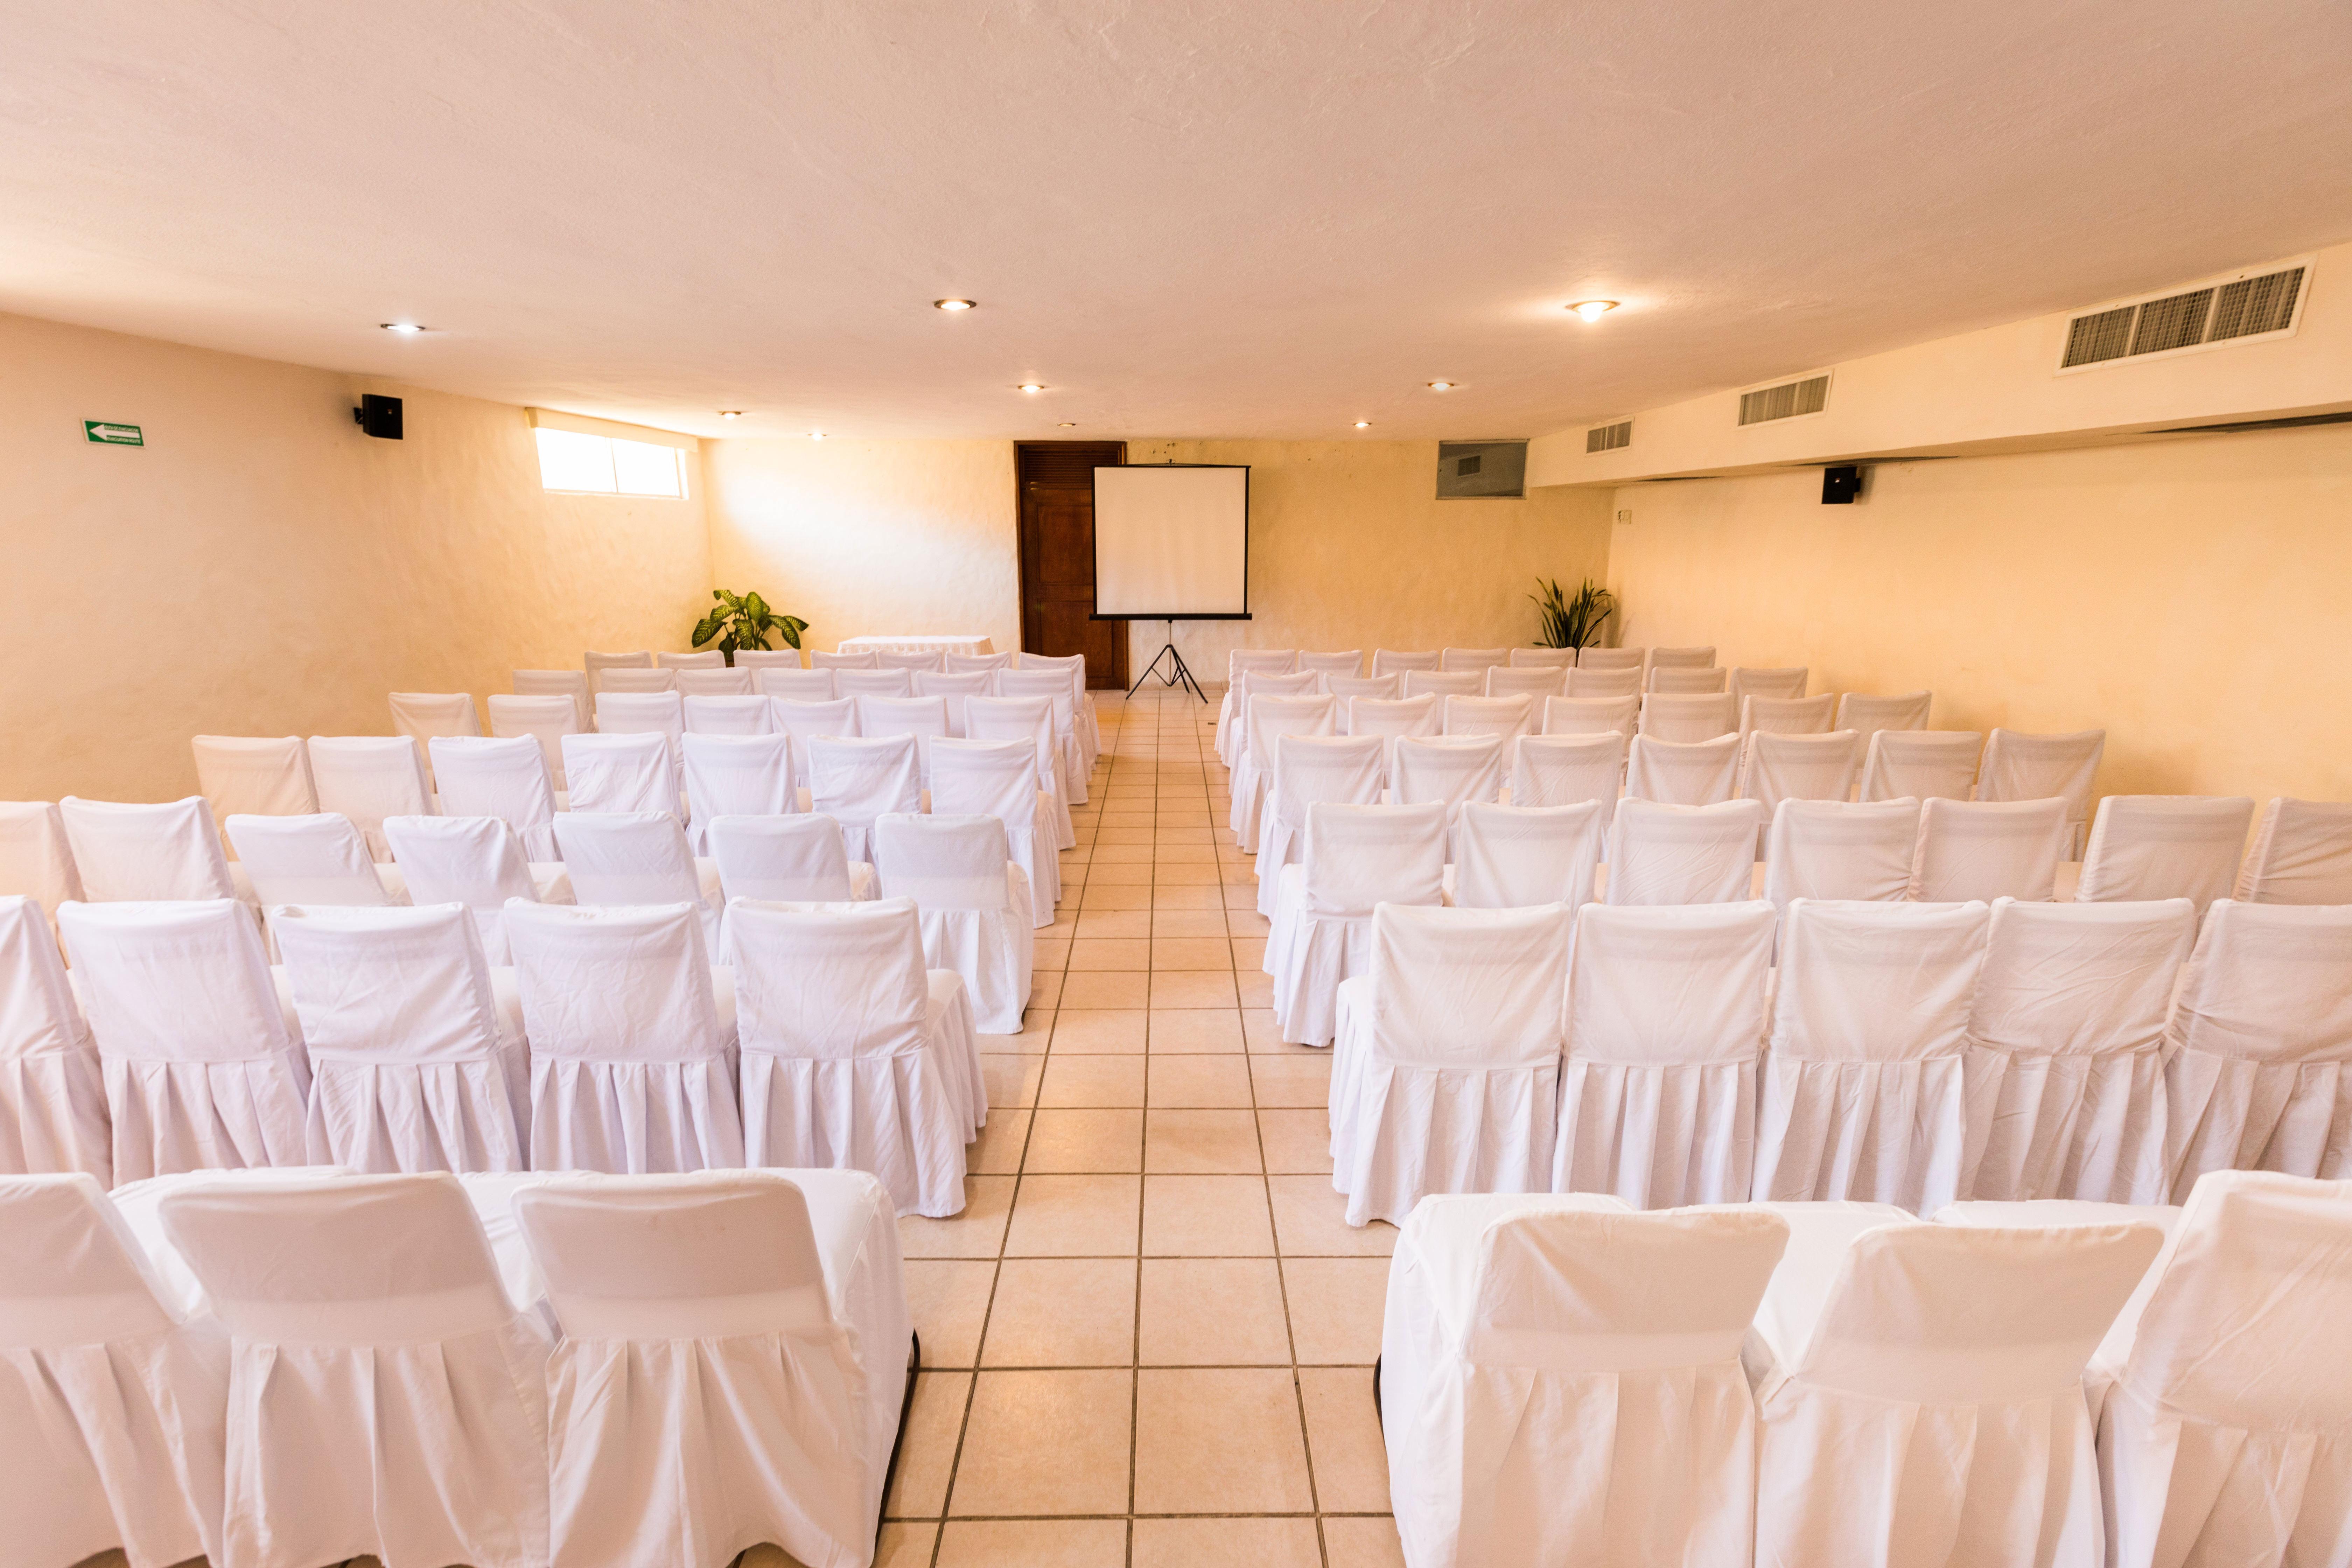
1021 542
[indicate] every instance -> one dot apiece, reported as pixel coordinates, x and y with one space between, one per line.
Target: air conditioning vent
1608 438
2197 317
1787 401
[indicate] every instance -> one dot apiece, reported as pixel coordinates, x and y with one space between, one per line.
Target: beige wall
865 537
2193 597
260 567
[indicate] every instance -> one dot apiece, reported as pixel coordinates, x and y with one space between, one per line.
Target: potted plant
744 620
1573 621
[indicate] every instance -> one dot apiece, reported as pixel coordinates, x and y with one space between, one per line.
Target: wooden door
1058 557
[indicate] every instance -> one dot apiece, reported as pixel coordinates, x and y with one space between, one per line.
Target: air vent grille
1786 401
2173 323
1608 438
2255 305
2247 308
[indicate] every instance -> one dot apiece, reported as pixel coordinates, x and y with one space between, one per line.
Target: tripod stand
1179 672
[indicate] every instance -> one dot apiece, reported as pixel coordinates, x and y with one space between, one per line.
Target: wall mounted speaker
378 417
1841 485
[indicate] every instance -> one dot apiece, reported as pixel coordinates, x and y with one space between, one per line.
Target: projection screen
1171 542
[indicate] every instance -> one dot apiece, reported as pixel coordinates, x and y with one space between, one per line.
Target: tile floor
1149 1338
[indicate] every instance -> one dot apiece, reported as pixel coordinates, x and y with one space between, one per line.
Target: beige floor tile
1047 1443
1065 921
1261 1033
1188 922
1106 988
1086 1143
1192 988
1206 1216
1185 875
1056 1311
1195 1030
1256 988
1202 853
1290 1081
1012 1079
1336 1308
1226 1544
1119 832
1201 1142
1212 1312
1107 954
997 1151
1114 896
1091 1082
927 1452
949 1300
1219 1441
1311 1221
976 1232
1247 922
1191 952
1343 1433
1098 1031
1198 1081
901 1546
1166 897
1074 1216
1295 1142
1242 895
1053 955
1362 1543
1037 1023
1045 991
1249 954
1109 924
1136 874
1034 1543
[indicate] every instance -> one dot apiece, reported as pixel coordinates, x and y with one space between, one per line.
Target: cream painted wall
2193 597
262 568
865 537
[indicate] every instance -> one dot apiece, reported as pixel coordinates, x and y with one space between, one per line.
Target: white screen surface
1172 541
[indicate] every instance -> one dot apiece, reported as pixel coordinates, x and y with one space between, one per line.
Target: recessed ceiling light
730 413
1593 310
1441 386
1030 386
1364 424
405 329
952 306
816 435
1067 425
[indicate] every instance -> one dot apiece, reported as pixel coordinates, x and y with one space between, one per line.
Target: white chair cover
622 857
999 779
369 778
1392 719
1030 719
1534 683
955 690
1267 720
1779 682
1696 716
789 859
924 718
2302 854
1451 771
1665 1027
502 778
1682 854
33 859
53 1114
897 681
1542 658
1683 773
972 903
659 713
621 772
1862 1093
254 777
854 659
2064 1067
2258 1071
744 715
805 721
1516 856
1582 715
708 658
1357 857
797 684
1789 715
759 658
1450 1066
319 859
1866 715
708 1396
410 1067
1612 658
634 683
475 862
200 1071
1347 689
853 1056
2165 846
1082 708
571 683
597 665
2036 767
1307 770
384 1398
1679 681
1390 661
140 852
1683 657
1560 1384
1445 683
856 780
1838 850
1921 764
978 663
631 1069
1935 1411
1778 767
1057 686
1567 770
1477 660
421 715
544 719
1240 664
1509 717
694 683
737 775
1969 849
1599 683
1347 665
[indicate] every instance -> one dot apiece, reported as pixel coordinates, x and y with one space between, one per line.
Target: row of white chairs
289 1368
2076 1385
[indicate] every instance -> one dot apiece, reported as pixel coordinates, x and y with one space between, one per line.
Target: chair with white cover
796 685
856 780
1866 715
954 691
200 1070
1445 683
924 718
1837 849
2165 846
2220 1439
1534 683
475 862
1392 719
1516 857
1000 779
1597 657
1972 849
972 903
53 1114
1445 1075
897 682
1509 717
1682 772
1449 770
597 665
1240 664
694 683
111 1413
1541 658
2018 766
805 721
910 658
634 683
1676 681
1681 657
1593 715
1933 1410
1784 682
736 776
1565 770
1308 771
1390 661
1921 764
127 852
1480 660
1347 665
1357 857
1073 664
788 860
710 1395
253 775
1347 689
2302 854
1057 687
34 859
1591 684
631 1067
1790 716
1660 853
2064 1065
708 658
978 663
1560 1383
1667 1015
856 658
1265 723
411 1069
315 860
2258 1069
1027 719
505 778
1697 716
385 1399
621 772
759 658
854 1058
421 715
369 778
659 713
1863 1095
1249 683
1775 767
544 719
730 716
626 857
566 683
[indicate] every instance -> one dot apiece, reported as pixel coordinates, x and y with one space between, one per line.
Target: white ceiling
1262 219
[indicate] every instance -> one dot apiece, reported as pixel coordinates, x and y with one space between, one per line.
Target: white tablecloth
970 644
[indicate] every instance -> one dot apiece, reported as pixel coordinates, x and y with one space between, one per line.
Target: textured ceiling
1266 218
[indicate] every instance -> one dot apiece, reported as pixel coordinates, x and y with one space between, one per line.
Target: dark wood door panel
1058 557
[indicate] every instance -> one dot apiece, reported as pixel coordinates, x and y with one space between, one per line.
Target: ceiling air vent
1787 401
1608 438
2251 305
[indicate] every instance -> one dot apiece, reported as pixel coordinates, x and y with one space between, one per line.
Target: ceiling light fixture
405 329
1030 386
1067 425
1441 386
816 435
730 413
1593 310
952 307
1364 424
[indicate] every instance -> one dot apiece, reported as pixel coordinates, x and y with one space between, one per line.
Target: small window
606 465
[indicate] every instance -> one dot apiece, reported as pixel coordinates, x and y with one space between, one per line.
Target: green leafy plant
1573 620
744 620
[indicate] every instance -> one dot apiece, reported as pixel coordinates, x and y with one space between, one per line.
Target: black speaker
378 417
1841 485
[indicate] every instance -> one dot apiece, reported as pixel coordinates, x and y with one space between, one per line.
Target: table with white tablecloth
878 644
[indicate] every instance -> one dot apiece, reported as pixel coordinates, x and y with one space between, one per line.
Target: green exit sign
106 433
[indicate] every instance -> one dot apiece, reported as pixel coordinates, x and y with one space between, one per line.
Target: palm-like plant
744 620
1573 620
